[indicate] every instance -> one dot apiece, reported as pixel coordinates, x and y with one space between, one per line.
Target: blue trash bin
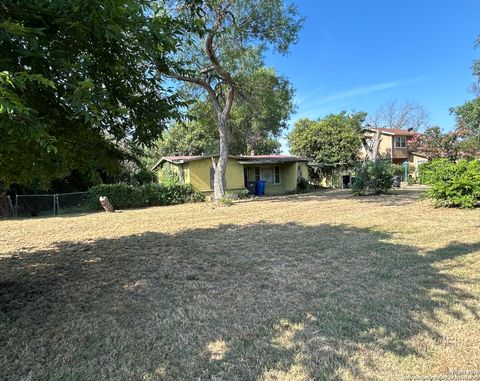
260 188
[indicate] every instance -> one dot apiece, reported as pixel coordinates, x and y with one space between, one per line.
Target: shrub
168 176
244 194
398 170
452 184
123 196
373 177
225 201
302 185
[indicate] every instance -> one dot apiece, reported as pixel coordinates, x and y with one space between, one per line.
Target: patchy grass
319 286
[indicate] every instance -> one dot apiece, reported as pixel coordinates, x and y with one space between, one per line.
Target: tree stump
106 204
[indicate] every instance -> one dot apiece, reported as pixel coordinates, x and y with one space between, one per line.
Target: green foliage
168 176
225 201
398 170
257 119
243 194
468 119
303 185
334 139
452 184
123 196
76 79
373 177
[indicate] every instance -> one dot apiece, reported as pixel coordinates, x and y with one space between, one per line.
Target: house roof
242 159
392 131
270 159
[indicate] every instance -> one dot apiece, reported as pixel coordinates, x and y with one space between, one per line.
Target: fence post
54 204
58 203
16 205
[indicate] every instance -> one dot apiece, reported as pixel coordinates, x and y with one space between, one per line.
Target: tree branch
209 50
200 82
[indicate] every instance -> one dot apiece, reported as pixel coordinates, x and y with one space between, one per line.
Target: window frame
276 172
398 139
256 173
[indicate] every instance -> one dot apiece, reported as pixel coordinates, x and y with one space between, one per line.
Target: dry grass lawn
322 286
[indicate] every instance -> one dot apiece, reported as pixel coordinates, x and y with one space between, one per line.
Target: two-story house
393 145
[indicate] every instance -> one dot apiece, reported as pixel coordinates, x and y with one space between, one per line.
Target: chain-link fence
34 205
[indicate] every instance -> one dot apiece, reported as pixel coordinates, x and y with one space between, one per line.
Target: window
400 142
277 175
257 173
267 174
271 175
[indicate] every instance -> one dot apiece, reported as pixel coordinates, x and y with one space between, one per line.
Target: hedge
123 196
452 184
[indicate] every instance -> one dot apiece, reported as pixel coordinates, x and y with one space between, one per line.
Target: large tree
258 117
78 90
333 140
409 115
219 37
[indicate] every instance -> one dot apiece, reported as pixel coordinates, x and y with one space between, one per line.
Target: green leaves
335 139
452 184
76 79
373 177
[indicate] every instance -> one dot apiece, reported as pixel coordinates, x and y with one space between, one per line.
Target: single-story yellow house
280 172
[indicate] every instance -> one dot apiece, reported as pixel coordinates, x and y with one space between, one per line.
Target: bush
123 196
169 177
225 201
303 185
244 194
373 177
452 184
398 170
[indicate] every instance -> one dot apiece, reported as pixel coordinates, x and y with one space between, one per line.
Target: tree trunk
221 166
376 145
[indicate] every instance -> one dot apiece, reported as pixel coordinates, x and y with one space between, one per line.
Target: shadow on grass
263 301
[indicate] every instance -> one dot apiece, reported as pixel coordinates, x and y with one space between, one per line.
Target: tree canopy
258 118
78 90
335 139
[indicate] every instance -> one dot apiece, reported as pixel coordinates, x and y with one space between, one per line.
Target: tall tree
468 117
217 41
78 90
333 140
409 115
258 117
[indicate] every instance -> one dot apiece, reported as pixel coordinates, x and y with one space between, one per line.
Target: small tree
334 139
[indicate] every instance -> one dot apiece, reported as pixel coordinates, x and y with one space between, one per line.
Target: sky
356 55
